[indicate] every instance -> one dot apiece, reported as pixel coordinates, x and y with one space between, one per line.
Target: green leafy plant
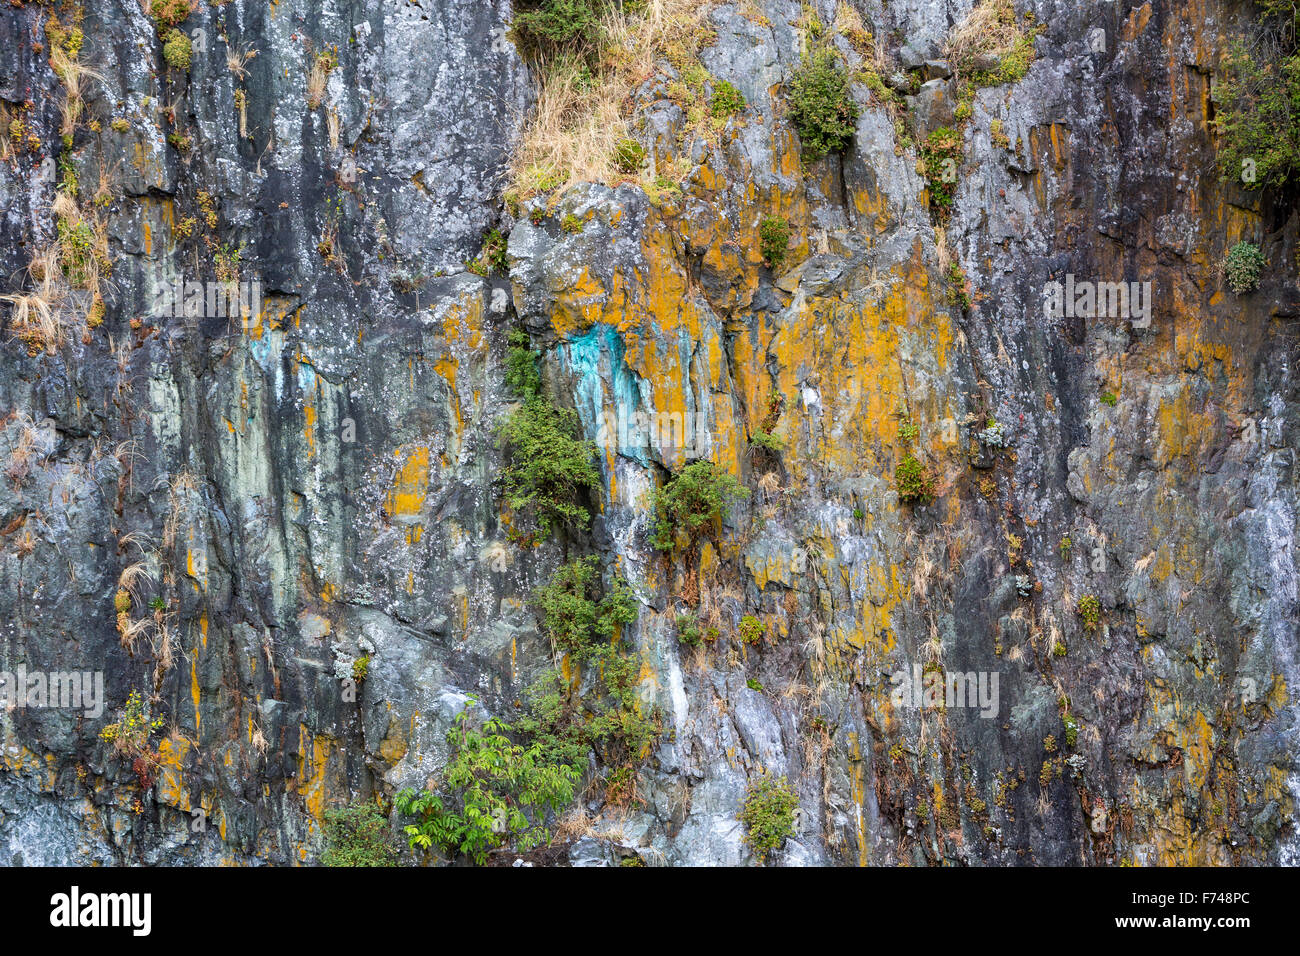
177 50
1243 266
940 157
1089 610
755 684
908 431
1071 734
574 616
361 668
821 108
766 440
773 241
688 630
551 28
521 365
727 100
692 501
496 792
751 629
168 13
548 465
492 257
1257 101
959 290
629 155
768 815
913 481
1109 398
571 224
357 835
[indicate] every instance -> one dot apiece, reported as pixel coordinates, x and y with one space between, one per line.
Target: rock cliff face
269 498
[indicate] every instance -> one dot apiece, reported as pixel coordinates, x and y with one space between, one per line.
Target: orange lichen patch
196 564
314 757
172 753
410 487
396 739
858 793
194 681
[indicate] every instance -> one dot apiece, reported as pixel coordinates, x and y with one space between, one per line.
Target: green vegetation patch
821 108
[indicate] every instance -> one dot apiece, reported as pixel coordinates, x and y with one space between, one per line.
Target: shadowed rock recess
1009 579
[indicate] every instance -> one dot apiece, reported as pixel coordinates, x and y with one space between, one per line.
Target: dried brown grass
579 118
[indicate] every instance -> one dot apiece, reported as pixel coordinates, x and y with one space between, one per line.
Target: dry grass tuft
237 60
990 27
75 77
579 117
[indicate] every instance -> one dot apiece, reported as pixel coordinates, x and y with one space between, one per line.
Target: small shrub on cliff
492 257
727 100
629 155
521 365
821 108
574 616
1089 609
768 815
177 50
549 467
1242 267
693 500
688 630
548 28
913 482
496 791
168 13
940 157
1257 101
990 47
773 241
751 629
357 835
1071 730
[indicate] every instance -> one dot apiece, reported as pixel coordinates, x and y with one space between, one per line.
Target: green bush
688 630
574 616
168 13
1257 101
913 482
521 365
768 815
492 257
496 792
549 28
773 241
727 100
1242 267
940 157
751 629
820 106
548 465
609 716
629 155
1089 609
1071 731
693 500
357 835
177 50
